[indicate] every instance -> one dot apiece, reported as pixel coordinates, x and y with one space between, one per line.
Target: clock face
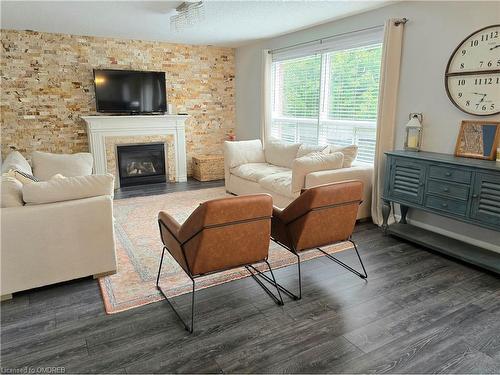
473 73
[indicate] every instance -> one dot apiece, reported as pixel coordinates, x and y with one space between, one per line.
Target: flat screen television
129 91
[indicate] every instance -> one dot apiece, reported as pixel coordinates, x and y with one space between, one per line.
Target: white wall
431 35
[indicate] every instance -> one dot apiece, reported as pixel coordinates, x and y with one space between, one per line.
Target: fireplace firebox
141 164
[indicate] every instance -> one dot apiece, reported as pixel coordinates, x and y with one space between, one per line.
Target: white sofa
48 241
249 169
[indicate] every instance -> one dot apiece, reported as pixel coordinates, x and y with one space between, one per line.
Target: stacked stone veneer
47 84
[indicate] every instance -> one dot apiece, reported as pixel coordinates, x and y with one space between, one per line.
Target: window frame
349 42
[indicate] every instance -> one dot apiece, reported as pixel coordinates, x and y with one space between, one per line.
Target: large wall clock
472 76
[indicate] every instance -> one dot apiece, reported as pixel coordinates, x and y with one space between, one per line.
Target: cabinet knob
474 196
447 174
444 205
446 189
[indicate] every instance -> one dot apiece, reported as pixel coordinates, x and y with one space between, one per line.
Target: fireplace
141 164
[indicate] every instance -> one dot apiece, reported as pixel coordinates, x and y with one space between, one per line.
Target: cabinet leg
386 210
404 211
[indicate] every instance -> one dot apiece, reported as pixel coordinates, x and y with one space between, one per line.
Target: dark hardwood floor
164 188
419 312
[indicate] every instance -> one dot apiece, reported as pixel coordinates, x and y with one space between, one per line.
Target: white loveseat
249 169
64 230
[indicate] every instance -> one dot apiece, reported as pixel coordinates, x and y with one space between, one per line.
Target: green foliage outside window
353 84
301 80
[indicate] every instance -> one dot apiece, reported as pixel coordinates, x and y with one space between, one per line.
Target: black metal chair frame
278 300
363 275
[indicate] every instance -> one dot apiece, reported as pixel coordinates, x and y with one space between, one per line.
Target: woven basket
208 167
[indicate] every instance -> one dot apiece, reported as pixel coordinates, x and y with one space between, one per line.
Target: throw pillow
280 153
350 153
17 162
57 176
65 189
237 153
307 149
46 165
24 178
313 163
11 192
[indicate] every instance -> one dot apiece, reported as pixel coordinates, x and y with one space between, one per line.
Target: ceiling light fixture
188 14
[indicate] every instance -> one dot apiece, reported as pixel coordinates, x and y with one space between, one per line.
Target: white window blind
296 98
329 97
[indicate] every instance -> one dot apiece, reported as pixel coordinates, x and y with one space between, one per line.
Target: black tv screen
128 91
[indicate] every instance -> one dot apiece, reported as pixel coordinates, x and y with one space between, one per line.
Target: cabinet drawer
451 206
449 174
448 189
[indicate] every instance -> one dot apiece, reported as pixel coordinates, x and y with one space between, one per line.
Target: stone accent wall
112 142
47 84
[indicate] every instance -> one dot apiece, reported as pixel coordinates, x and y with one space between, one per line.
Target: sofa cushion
11 192
243 152
280 153
278 182
350 153
307 149
46 165
16 161
69 188
314 162
256 171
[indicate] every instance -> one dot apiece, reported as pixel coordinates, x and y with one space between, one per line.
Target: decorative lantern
413 137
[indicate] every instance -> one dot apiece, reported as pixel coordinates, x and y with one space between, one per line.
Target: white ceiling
227 23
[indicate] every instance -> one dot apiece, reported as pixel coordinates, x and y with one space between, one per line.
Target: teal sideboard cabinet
463 189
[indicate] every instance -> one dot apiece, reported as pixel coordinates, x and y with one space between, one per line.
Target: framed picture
478 139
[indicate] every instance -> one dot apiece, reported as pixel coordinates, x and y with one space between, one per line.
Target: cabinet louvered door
407 181
486 199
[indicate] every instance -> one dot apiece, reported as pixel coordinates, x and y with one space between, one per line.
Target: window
328 97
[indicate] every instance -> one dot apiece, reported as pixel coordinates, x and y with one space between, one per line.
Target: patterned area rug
138 251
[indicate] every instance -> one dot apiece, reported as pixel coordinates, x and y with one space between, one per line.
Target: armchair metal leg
300 277
363 275
276 285
279 301
186 326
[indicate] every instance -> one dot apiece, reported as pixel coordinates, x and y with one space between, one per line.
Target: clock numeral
492 35
472 74
484 81
484 107
489 64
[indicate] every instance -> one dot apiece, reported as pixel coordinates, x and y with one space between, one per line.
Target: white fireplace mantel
99 127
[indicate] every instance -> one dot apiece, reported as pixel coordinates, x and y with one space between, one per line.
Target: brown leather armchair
320 216
219 235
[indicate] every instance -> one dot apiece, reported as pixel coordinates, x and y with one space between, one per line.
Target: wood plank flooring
164 188
419 312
